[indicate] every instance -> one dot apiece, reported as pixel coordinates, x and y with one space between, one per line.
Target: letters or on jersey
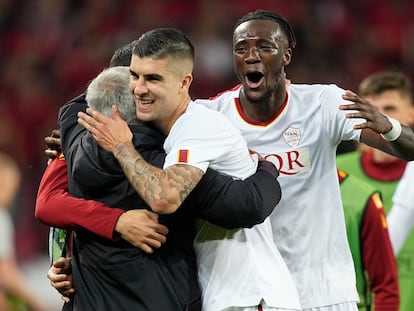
236 267
308 224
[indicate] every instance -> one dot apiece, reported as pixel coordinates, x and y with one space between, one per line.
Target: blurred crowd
51 49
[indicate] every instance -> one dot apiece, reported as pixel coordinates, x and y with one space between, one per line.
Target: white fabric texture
308 223
401 216
237 268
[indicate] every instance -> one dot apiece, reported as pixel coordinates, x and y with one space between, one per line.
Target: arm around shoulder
56 207
237 203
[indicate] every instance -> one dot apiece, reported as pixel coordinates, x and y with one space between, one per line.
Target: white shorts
346 306
257 308
262 307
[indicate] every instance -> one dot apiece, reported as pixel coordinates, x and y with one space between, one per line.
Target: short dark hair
122 56
271 16
161 43
378 82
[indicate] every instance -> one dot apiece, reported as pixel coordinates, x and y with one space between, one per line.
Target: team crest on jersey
292 136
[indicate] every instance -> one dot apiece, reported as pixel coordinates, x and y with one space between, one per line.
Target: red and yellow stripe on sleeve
183 156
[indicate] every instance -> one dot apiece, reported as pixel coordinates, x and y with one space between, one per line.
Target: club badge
292 136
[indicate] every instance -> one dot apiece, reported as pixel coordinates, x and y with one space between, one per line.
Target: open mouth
254 79
145 102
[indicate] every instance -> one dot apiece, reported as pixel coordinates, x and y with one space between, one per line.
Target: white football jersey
237 268
308 224
404 194
400 218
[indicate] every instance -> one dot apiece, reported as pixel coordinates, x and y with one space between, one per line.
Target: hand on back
140 227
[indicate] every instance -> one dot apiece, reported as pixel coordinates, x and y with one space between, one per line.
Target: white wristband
395 131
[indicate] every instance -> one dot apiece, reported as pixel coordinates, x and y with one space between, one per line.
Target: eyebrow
154 76
149 76
133 73
390 106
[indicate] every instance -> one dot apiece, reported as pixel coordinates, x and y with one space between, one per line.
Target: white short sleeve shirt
237 268
308 224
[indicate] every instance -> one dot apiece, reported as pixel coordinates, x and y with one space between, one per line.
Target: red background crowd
51 49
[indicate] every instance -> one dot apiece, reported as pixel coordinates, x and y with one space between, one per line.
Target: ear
186 82
287 56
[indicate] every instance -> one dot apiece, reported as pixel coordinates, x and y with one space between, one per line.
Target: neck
264 108
165 125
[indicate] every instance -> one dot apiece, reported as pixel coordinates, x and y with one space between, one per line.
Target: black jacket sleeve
217 198
231 203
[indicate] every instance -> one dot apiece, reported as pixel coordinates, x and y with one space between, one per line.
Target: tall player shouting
298 127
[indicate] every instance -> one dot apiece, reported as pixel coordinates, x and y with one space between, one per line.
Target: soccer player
238 269
298 127
401 215
367 231
391 92
166 279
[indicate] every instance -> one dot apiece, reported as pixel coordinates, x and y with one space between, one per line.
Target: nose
253 55
138 86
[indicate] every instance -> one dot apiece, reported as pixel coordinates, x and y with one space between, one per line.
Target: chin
144 118
258 96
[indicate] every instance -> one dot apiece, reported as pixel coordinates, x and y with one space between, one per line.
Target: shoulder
307 100
221 99
73 106
204 122
203 114
314 88
348 156
144 133
319 92
230 92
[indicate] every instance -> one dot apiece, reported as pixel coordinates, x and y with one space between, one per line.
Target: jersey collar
259 123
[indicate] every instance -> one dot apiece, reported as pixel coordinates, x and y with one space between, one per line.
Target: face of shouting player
160 88
261 51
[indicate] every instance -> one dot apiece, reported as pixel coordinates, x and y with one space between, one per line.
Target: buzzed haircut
161 43
379 82
271 16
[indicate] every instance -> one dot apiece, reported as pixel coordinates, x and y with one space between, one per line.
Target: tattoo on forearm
171 185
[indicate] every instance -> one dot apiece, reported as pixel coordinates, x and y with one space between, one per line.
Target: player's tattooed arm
163 190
